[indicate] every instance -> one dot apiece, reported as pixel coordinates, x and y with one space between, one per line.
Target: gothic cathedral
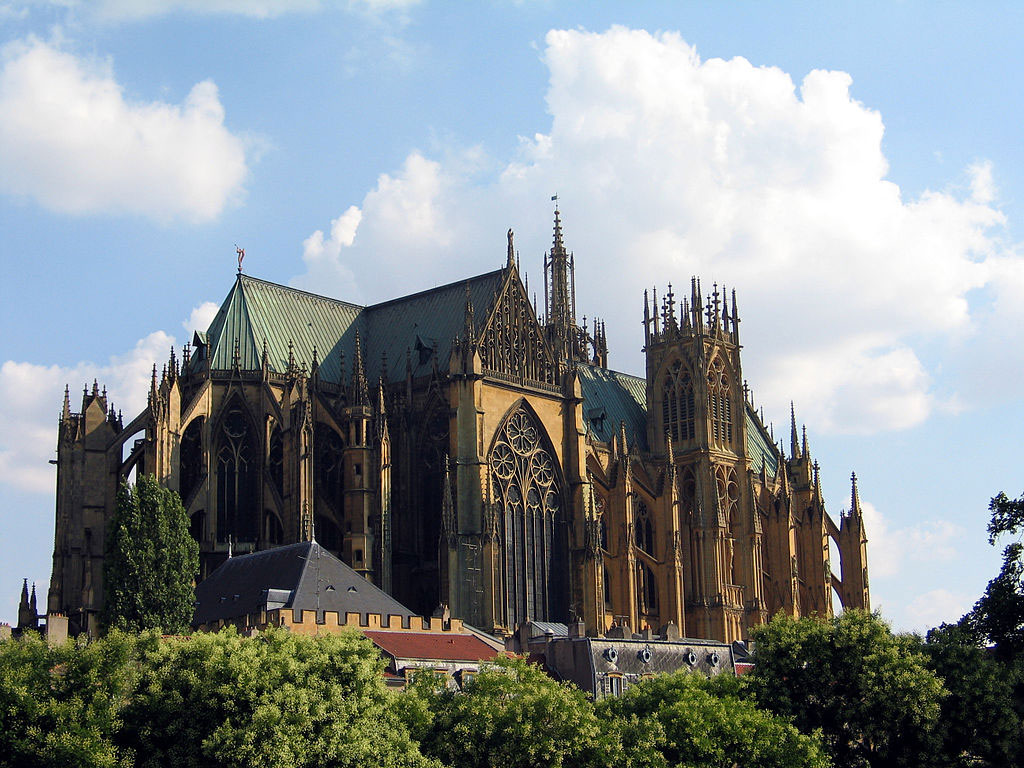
460 450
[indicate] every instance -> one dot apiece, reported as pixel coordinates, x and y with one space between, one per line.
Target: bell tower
696 410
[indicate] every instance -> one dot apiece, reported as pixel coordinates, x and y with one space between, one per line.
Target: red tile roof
431 645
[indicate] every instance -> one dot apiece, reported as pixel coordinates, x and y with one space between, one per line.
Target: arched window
644 528
647 589
677 403
719 404
237 476
275 460
330 468
191 459
526 490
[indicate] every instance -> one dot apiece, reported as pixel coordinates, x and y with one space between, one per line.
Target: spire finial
360 392
558 246
67 402
511 249
854 496
794 445
807 453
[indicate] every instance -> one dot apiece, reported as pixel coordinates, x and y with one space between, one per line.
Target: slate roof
288 577
610 398
256 310
432 645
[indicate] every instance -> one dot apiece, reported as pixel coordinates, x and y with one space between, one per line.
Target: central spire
568 340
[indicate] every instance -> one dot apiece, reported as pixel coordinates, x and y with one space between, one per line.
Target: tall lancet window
677 405
719 403
644 528
237 477
330 468
525 487
191 459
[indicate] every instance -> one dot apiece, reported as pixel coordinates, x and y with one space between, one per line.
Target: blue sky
850 169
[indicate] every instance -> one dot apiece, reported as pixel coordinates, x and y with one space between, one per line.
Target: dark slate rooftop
302 576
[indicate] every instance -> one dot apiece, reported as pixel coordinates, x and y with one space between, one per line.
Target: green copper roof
256 311
610 398
760 447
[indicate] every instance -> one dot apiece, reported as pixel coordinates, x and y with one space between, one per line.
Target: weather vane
241 255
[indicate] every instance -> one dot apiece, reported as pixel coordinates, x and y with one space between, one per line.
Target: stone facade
460 449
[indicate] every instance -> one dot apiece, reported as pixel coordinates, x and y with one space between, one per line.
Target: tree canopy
998 616
684 719
511 715
869 692
151 561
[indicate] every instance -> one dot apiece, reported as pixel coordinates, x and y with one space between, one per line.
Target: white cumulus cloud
31 397
668 165
128 10
935 607
72 140
199 318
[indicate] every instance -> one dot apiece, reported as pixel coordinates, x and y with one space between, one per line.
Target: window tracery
275 460
330 467
191 459
644 528
236 478
677 403
647 589
526 490
719 403
513 343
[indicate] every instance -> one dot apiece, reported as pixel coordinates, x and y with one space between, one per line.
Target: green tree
684 719
980 726
273 699
61 706
511 714
151 561
869 692
998 617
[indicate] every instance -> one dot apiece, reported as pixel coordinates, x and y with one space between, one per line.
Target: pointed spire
817 481
315 362
794 446
360 393
670 452
152 385
66 412
735 320
806 452
855 510
24 593
96 387
469 321
291 356
32 601
654 304
647 319
557 244
623 445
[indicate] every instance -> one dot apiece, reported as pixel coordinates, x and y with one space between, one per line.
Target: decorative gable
512 344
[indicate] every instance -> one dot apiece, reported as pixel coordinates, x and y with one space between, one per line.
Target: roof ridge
290 289
612 371
437 288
